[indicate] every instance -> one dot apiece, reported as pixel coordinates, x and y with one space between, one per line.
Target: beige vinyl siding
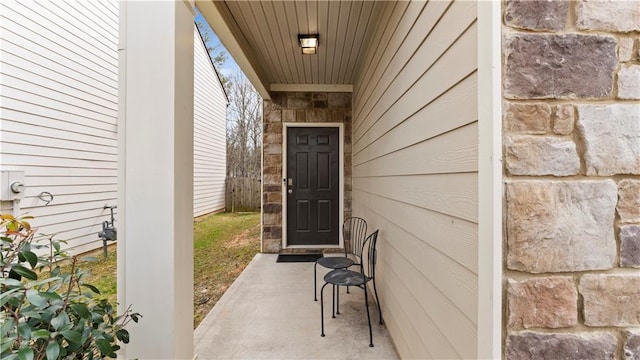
209 142
58 112
415 150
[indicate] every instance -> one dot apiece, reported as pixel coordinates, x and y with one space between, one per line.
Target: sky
230 66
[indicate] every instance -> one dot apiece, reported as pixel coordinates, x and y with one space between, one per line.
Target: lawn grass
102 273
224 244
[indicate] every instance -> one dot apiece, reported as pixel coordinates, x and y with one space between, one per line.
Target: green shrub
48 313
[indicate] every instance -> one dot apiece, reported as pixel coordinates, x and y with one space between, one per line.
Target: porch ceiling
262 38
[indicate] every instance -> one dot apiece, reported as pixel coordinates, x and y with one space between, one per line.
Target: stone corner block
631 348
277 102
273 116
532 345
273 208
610 300
527 118
272 218
530 155
274 149
536 15
542 66
629 81
558 226
616 16
611 136
630 246
271 246
629 200
550 302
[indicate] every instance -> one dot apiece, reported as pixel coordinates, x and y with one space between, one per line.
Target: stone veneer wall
296 107
571 81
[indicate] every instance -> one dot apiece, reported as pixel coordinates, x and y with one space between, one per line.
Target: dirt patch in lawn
241 240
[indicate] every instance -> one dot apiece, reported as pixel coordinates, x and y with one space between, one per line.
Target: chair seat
335 262
345 278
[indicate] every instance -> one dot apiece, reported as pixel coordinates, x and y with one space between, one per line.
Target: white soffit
262 36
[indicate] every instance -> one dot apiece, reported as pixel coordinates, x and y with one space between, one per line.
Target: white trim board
489 181
312 88
340 127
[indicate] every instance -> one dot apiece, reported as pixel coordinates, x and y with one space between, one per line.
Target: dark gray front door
313 183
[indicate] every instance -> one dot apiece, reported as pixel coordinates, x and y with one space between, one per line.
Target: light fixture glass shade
308 50
308 43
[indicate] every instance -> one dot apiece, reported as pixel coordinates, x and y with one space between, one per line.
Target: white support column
155 176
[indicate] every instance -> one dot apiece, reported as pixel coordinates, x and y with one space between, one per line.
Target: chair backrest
368 267
354 231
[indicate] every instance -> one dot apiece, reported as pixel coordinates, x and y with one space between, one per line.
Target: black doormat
288 258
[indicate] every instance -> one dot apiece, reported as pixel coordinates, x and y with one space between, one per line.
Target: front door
312 185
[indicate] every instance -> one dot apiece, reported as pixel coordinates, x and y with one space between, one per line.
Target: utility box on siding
11 185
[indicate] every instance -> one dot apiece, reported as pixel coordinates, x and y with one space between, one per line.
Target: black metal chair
354 231
346 277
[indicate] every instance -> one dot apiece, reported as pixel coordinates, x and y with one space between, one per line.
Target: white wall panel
58 116
209 143
59 109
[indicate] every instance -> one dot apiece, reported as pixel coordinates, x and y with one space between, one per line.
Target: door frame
340 126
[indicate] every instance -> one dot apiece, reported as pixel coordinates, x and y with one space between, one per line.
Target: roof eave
220 20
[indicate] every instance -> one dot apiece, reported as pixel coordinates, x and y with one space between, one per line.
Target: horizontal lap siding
209 116
415 141
59 108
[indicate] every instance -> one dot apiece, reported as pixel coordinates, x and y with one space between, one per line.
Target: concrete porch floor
269 313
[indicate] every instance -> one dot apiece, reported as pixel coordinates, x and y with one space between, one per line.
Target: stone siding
293 107
571 144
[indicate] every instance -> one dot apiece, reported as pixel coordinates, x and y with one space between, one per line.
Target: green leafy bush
48 313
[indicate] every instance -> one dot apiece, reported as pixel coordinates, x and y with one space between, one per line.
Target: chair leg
337 300
322 309
315 280
366 305
333 301
378 302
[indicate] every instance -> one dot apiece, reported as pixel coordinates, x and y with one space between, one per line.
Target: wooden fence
243 194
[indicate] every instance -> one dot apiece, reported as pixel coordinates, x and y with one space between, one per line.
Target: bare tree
217 53
244 128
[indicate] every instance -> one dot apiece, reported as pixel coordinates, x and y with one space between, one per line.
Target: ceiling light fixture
309 43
